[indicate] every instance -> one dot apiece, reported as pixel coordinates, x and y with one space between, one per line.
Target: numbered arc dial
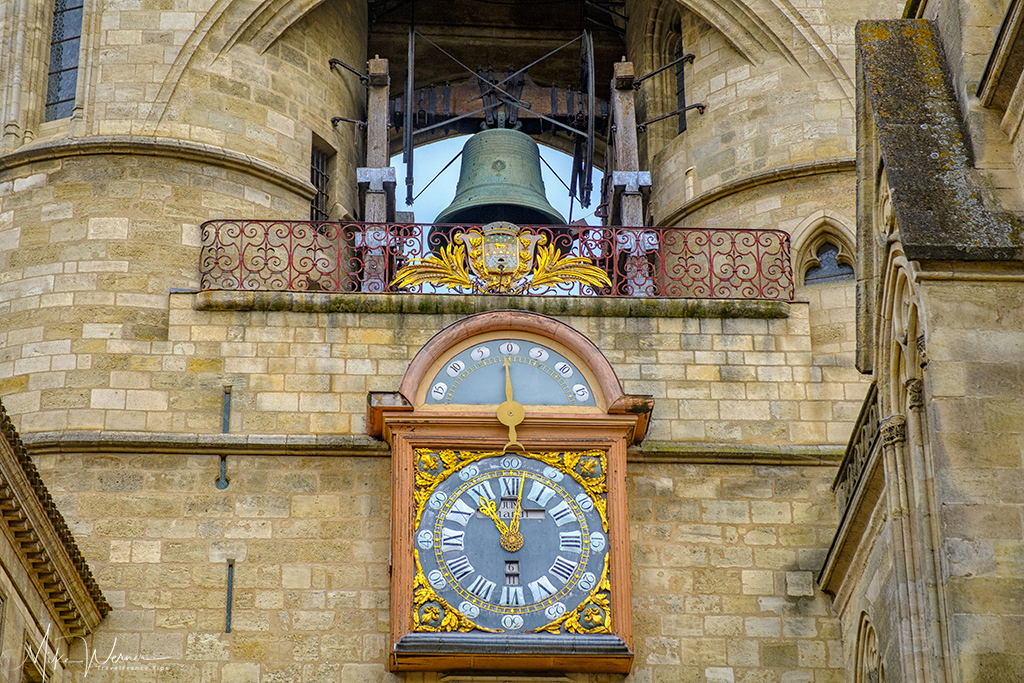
511 543
540 376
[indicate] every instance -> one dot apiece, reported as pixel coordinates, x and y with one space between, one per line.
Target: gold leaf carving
594 615
449 269
499 261
555 269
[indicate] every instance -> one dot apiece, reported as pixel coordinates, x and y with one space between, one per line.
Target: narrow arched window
828 268
64 47
680 85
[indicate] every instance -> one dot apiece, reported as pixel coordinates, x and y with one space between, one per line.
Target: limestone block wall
973 387
724 559
733 380
94 243
870 597
723 565
249 80
779 91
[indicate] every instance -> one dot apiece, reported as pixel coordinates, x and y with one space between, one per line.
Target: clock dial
512 543
539 374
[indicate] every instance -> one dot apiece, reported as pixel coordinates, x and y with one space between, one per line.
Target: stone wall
723 565
721 380
974 383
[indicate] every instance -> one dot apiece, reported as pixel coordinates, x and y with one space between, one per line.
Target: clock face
539 374
512 543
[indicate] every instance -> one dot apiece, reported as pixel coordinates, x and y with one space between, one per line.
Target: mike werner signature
47 660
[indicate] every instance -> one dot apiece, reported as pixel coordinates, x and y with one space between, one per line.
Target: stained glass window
63 71
828 268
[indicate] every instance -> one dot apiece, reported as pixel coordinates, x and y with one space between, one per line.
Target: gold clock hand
519 507
510 413
508 382
488 508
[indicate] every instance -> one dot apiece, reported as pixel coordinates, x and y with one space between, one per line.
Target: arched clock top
513 358
485 369
568 367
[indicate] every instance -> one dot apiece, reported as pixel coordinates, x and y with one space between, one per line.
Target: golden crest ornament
501 260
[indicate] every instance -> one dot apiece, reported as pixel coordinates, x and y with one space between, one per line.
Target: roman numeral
563 568
539 493
512 595
460 513
460 567
482 588
451 539
562 513
482 490
509 487
571 541
542 589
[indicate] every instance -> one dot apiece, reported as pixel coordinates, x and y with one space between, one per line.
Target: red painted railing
362 257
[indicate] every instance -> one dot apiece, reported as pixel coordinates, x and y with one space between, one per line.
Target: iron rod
533 63
638 81
363 78
700 106
231 586
438 174
225 425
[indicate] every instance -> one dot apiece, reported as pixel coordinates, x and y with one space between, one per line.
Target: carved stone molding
915 394
894 429
921 353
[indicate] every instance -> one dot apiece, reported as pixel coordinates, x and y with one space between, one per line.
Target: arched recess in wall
902 346
868 665
823 246
672 25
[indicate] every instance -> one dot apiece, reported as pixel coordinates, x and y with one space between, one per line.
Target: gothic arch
821 227
901 337
868 664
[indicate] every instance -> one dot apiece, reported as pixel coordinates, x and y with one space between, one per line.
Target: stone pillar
629 183
376 182
908 608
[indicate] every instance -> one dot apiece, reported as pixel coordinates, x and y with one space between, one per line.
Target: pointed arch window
830 267
62 74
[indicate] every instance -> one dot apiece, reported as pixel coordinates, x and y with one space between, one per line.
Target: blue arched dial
539 375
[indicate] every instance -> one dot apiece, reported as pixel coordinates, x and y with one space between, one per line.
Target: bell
500 181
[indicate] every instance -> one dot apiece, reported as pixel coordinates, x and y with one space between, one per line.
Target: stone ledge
155 146
220 444
774 175
735 454
432 304
357 445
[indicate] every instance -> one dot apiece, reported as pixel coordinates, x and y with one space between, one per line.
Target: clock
475 376
511 543
510 537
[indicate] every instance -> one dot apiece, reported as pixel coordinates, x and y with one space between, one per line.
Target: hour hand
488 508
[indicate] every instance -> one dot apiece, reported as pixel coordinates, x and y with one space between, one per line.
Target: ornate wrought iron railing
858 451
361 257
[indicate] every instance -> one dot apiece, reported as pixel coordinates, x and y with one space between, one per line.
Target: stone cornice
363 446
38 532
161 147
753 180
429 304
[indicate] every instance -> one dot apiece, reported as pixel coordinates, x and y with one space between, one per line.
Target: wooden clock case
407 422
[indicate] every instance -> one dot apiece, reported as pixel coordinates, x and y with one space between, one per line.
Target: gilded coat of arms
502 259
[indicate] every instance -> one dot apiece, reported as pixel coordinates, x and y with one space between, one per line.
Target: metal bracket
363 78
699 106
335 120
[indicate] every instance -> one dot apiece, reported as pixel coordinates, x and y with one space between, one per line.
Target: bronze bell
500 181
